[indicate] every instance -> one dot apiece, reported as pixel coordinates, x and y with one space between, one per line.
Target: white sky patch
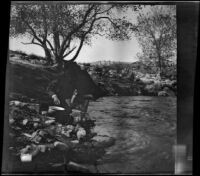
101 49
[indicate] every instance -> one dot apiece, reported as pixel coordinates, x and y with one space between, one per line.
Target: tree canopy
156 34
61 29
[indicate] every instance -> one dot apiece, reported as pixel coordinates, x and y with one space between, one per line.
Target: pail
61 114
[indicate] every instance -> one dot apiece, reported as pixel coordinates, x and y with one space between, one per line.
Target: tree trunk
53 58
159 62
59 62
48 56
160 66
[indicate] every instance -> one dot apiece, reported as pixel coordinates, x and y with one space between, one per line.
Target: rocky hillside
121 78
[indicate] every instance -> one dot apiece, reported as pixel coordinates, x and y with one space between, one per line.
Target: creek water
145 133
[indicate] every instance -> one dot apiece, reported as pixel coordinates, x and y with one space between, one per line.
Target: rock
81 133
42 148
50 118
74 167
49 122
37 139
51 130
103 141
27 135
38 135
29 152
77 119
34 106
66 133
168 82
70 127
83 119
35 125
61 146
75 113
75 141
36 119
42 133
146 80
15 103
77 127
44 112
35 150
25 121
25 150
11 121
162 93
173 82
150 89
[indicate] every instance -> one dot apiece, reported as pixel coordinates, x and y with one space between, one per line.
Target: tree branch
68 44
105 10
31 44
69 52
50 45
32 30
79 26
62 50
104 17
45 23
82 40
97 33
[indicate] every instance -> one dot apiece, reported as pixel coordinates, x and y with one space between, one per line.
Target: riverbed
144 129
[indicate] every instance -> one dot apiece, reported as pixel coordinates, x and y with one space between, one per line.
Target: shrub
35 57
20 52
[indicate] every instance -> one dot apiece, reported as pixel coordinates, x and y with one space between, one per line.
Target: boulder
162 94
75 167
150 89
103 141
81 133
62 146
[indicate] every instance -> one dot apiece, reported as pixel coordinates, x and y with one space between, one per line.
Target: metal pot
61 114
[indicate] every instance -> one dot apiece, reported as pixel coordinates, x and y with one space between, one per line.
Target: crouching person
62 95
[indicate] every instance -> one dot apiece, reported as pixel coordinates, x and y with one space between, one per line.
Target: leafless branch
44 22
105 10
31 44
69 52
50 45
104 17
33 32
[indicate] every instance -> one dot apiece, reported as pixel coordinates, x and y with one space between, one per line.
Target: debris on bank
33 132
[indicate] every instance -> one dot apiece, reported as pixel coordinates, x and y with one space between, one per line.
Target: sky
101 48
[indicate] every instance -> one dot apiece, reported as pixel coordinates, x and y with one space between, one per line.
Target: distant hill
106 63
136 66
